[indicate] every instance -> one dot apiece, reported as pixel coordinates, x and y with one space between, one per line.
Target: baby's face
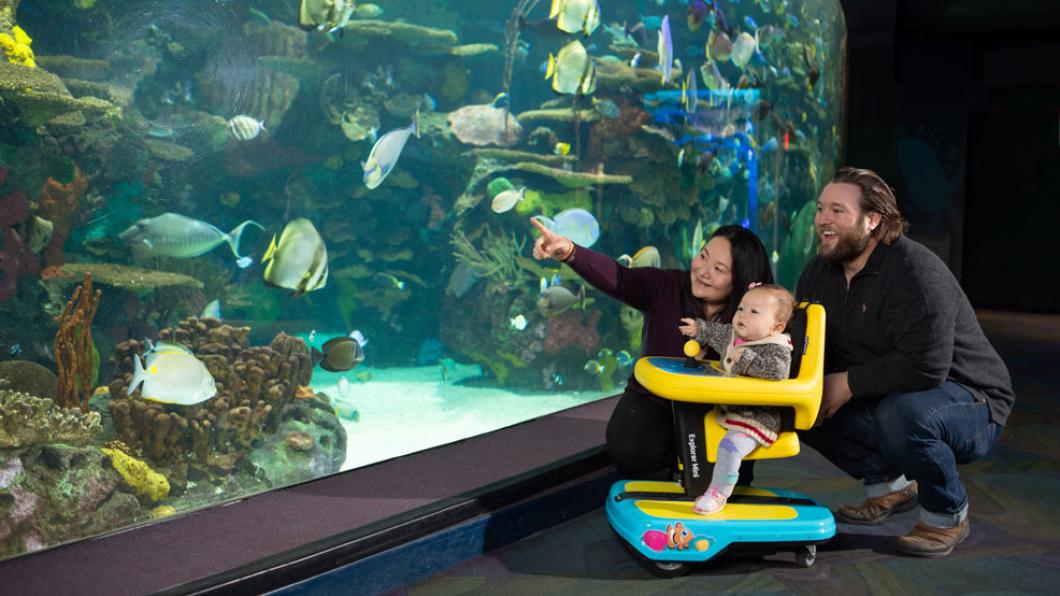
756 316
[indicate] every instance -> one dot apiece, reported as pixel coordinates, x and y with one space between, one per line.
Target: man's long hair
876 196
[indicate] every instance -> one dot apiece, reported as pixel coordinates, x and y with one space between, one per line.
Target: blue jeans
921 434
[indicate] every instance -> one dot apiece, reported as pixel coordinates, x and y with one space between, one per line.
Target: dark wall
956 103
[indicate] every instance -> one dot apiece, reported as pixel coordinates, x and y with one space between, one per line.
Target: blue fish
750 22
577 224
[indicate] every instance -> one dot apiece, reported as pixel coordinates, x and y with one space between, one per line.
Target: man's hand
835 395
551 245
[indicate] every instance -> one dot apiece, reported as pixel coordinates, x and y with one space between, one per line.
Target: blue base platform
657 521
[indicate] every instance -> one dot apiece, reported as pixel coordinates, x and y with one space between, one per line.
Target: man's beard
848 247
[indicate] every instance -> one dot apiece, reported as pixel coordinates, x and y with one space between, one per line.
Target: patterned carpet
1014 546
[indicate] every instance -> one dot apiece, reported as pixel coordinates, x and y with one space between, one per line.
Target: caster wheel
805 556
669 569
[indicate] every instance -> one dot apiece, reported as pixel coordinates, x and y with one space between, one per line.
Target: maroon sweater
658 293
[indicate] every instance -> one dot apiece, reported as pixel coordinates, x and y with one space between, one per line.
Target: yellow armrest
667 377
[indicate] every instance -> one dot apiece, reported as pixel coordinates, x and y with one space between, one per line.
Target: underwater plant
496 259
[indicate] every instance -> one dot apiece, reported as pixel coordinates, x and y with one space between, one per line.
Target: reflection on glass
250 243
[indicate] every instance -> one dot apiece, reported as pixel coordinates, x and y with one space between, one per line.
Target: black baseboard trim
316 558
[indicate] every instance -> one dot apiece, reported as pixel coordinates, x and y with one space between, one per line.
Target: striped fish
299 261
245 128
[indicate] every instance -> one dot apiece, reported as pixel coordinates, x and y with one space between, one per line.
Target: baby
753 345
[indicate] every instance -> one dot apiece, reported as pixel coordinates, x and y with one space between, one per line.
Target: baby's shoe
712 501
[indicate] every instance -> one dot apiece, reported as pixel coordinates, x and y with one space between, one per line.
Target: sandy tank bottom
405 410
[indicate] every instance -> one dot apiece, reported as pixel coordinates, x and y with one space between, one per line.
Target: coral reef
567 178
167 151
67 67
568 328
75 355
559 115
417 39
58 202
496 259
55 493
16 257
255 396
515 155
29 420
28 377
144 481
264 92
483 124
16 46
472 49
40 96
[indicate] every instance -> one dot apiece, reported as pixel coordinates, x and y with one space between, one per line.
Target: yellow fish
576 16
299 261
561 148
572 71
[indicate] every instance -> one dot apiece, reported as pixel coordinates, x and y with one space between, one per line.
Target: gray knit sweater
768 358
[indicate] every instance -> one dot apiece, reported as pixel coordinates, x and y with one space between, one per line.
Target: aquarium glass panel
250 243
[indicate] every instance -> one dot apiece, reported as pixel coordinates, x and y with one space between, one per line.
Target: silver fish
504 201
299 261
173 377
174 235
385 153
556 300
245 128
665 49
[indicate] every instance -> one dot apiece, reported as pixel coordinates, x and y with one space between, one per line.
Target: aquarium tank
250 243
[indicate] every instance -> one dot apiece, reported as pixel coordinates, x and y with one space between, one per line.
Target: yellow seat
801 394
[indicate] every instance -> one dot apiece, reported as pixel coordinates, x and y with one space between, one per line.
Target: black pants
640 438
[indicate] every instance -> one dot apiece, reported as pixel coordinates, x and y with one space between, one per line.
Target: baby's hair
785 301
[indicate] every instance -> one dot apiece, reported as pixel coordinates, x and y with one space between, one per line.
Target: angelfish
174 235
385 153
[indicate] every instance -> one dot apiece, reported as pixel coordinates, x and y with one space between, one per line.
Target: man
912 386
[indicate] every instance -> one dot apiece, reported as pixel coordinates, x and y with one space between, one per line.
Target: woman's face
712 271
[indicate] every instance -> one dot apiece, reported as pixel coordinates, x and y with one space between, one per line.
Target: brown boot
927 541
876 509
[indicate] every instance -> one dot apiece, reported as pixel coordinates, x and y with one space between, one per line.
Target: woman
640 434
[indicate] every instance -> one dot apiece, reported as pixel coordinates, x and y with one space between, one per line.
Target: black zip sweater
904 324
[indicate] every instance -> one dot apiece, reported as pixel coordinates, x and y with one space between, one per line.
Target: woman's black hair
750 263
